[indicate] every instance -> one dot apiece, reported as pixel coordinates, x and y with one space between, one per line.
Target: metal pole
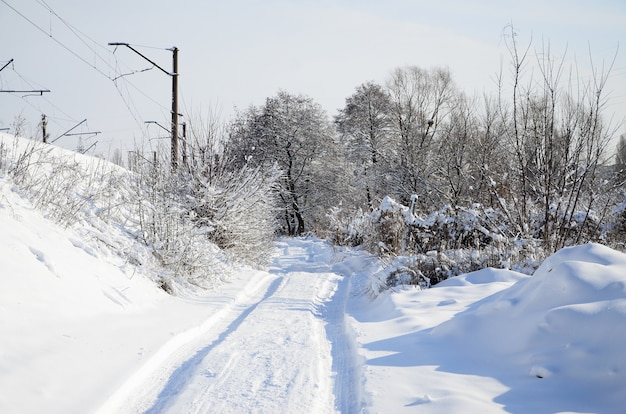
174 75
175 108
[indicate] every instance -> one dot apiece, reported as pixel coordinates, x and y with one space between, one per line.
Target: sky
237 53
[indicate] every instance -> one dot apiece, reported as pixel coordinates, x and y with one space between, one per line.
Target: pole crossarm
159 125
82 133
39 91
69 130
8 63
142 55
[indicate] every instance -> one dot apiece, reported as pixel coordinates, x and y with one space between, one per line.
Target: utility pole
44 124
174 108
174 75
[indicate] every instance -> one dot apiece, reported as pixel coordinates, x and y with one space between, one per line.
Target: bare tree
454 163
557 137
420 101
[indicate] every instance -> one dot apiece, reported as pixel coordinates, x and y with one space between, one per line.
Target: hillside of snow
86 328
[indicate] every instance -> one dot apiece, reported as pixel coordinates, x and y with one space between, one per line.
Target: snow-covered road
281 345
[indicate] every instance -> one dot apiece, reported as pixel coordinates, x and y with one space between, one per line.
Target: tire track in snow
317 256
279 358
282 361
181 376
283 346
346 365
141 389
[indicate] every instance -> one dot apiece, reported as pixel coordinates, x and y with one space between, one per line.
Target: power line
91 44
75 31
56 40
29 83
122 77
79 35
115 69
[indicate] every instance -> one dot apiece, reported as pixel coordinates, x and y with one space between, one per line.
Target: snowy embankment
75 321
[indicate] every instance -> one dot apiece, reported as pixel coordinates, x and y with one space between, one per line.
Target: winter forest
432 180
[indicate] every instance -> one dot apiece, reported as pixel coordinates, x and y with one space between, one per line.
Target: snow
497 341
85 331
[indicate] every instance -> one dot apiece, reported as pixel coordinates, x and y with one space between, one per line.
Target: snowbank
78 315
75 321
559 335
499 341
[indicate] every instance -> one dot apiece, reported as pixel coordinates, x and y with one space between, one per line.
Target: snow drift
558 336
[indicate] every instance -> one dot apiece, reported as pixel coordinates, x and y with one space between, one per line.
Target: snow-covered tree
420 101
557 138
235 204
294 133
364 125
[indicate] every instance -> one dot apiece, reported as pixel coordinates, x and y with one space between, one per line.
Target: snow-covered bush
62 184
614 230
397 230
233 201
347 228
574 227
165 223
98 199
238 209
406 271
447 242
389 228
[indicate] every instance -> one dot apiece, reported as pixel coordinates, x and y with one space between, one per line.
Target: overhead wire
114 68
79 34
28 102
55 39
30 84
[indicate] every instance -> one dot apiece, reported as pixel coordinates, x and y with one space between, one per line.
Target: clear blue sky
237 53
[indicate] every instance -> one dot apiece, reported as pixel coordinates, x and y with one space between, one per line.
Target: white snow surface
83 331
